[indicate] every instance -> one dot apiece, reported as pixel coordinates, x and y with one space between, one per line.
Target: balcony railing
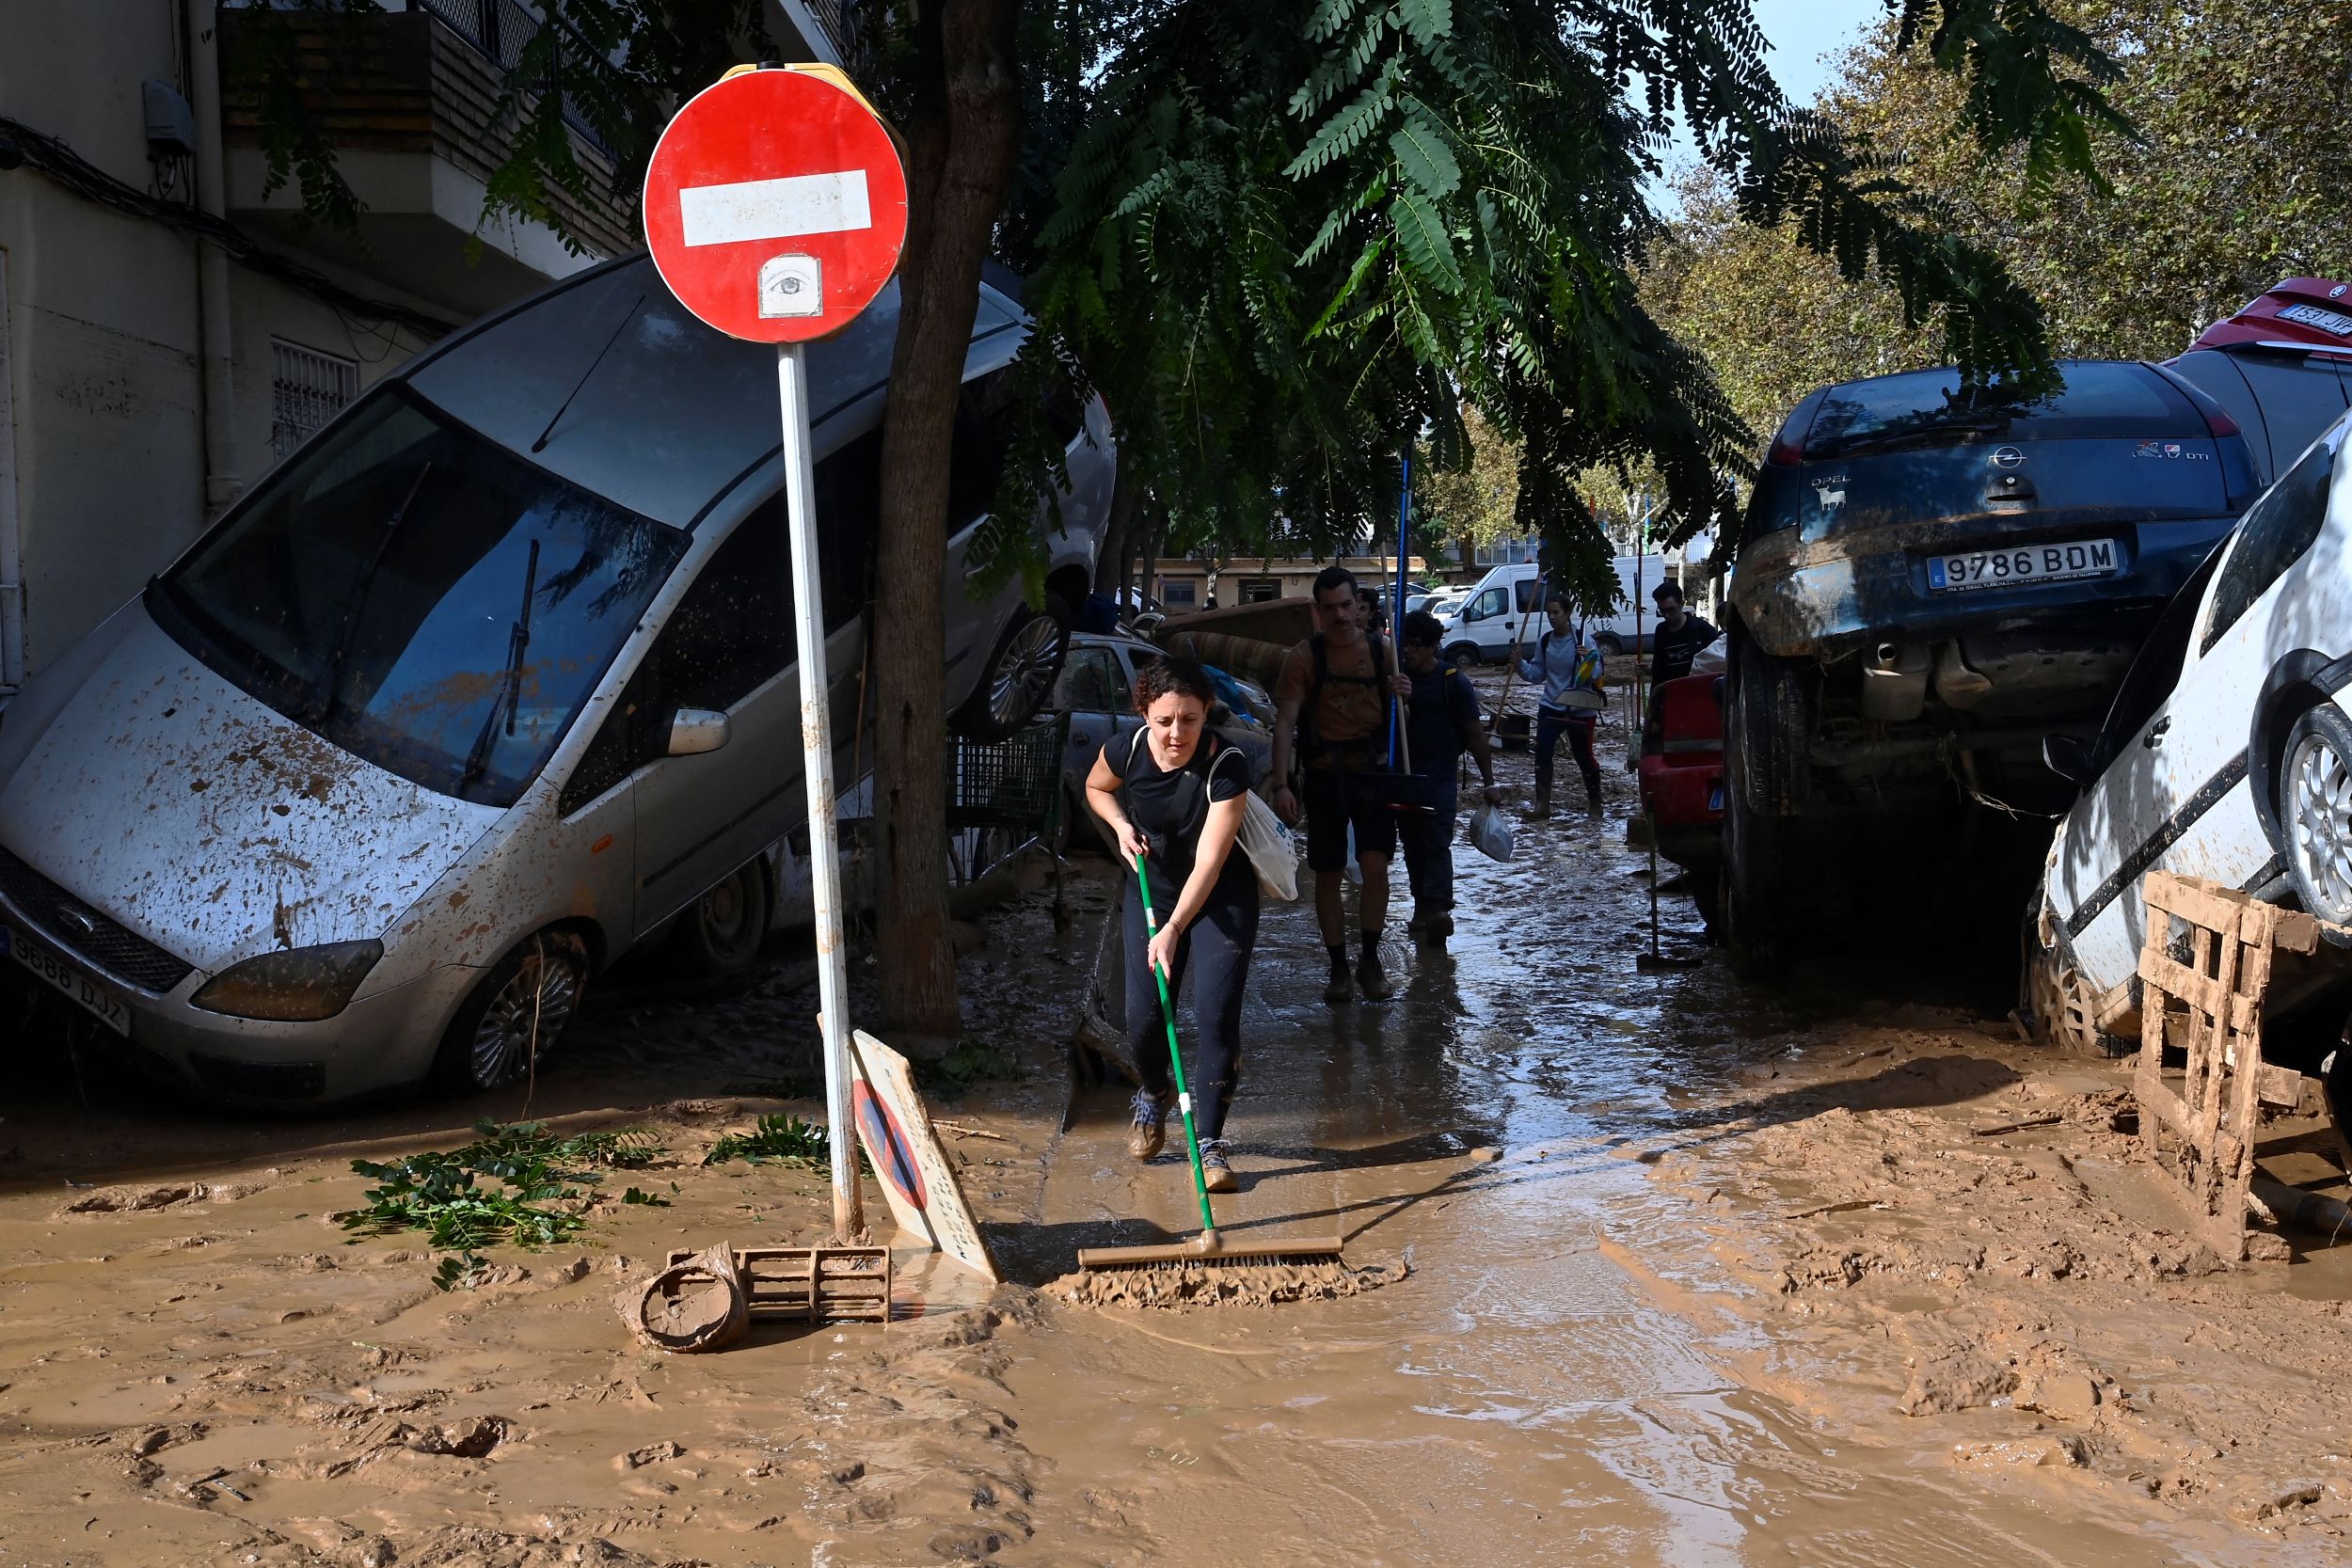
501 30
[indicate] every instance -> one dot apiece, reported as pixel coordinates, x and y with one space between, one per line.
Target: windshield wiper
322 701
510 684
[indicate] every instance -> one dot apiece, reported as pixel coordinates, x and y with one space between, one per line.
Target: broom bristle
1258 1280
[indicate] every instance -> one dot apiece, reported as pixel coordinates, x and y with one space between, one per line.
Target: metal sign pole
825 851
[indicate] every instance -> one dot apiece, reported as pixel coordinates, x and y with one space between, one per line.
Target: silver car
488 684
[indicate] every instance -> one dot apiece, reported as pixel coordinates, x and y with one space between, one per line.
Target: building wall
104 448
1293 576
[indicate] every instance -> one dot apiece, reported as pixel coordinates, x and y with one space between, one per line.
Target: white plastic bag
1492 832
1272 852
1355 872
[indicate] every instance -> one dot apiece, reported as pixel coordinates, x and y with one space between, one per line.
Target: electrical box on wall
170 123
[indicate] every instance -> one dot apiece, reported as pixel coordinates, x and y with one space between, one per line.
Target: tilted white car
2226 755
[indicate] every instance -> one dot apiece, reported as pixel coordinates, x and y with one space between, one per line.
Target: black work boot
1370 978
1435 928
1339 988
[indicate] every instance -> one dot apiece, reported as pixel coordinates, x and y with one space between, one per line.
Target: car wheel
1756 902
1608 644
2315 812
720 935
514 1016
1021 673
1463 655
2054 998
1770 732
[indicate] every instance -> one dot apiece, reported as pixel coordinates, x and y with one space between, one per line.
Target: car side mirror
697 730
2069 756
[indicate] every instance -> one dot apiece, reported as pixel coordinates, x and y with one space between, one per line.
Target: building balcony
409 99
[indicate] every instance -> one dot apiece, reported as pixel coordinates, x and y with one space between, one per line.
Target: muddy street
1700 1273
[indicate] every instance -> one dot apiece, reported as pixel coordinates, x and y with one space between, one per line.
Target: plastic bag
1492 832
1355 872
1272 854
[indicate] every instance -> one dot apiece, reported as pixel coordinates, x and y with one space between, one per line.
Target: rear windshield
422 598
2100 399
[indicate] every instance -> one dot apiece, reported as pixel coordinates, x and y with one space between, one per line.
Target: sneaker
1340 987
1216 1168
1373 979
1150 1127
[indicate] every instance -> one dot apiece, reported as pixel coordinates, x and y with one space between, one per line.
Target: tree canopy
2232 182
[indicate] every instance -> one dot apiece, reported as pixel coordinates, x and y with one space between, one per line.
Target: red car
1682 778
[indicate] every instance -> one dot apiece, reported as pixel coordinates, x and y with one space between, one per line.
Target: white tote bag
1273 853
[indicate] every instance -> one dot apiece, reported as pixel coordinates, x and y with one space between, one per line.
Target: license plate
1971 569
100 1001
2327 320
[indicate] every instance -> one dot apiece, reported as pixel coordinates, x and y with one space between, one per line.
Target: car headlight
300 985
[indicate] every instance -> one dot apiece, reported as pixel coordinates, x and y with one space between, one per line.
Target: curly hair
1182 677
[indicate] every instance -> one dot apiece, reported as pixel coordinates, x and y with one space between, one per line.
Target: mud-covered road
1701 1274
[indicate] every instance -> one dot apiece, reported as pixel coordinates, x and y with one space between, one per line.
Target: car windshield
2100 398
422 598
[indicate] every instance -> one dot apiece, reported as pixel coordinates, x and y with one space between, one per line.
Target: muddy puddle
1692 1275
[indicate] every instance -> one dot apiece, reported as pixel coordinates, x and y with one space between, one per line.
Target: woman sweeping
1173 794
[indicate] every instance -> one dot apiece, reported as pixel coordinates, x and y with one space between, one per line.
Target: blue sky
1803 32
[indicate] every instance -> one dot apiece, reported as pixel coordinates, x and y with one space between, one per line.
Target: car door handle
2155 736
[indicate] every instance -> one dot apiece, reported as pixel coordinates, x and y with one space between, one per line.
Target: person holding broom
1173 793
1569 673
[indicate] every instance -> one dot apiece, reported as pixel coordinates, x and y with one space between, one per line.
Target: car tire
1021 673
1463 655
514 1016
1608 644
2054 999
2315 812
1770 732
1756 902
720 934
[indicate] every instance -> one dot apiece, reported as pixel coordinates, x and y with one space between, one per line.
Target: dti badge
791 286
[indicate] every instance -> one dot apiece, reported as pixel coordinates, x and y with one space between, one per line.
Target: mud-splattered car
2226 755
1929 579
490 683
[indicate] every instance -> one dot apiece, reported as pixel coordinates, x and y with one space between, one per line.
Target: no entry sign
776 205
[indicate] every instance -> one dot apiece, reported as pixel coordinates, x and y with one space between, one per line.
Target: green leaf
1421 240
1347 130
1426 160
1428 23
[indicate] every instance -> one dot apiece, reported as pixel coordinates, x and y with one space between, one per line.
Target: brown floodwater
1660 1308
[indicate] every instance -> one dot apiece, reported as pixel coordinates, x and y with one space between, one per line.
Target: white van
420 736
1506 610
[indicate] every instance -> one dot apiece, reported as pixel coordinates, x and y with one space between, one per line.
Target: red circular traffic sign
775 205
887 1144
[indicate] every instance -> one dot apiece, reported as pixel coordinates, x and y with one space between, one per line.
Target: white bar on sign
774 209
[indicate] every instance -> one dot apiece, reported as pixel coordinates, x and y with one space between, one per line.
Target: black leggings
1220 939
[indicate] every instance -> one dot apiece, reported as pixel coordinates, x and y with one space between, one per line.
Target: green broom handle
1176 1057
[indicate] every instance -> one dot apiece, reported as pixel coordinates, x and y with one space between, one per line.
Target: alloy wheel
2319 828
1027 668
532 1008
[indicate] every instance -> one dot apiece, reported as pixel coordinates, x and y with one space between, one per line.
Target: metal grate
501 30
306 389
61 917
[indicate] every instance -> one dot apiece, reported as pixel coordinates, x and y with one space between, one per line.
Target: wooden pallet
2210 1006
813 1284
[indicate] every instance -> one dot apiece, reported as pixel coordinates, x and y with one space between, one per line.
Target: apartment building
170 328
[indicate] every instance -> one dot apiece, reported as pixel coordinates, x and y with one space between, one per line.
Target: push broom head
1210 1249
1222 1273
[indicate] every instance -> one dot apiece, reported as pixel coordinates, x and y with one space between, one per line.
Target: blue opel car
1930 578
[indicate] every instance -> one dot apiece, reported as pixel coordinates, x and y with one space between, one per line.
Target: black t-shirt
1674 650
1440 719
1172 808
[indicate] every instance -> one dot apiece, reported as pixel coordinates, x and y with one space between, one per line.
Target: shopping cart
1005 800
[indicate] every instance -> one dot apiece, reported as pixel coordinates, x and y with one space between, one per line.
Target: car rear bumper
1684 799
1827 599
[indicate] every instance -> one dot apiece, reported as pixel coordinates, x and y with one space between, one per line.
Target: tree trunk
1110 566
961 141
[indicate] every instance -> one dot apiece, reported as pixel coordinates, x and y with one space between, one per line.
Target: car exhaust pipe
1894 684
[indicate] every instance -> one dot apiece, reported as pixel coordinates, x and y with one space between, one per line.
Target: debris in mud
2025 1453
1185 1285
779 1139
440 1194
2268 1499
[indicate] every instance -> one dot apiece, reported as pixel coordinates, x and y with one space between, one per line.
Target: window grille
306 389
1504 552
